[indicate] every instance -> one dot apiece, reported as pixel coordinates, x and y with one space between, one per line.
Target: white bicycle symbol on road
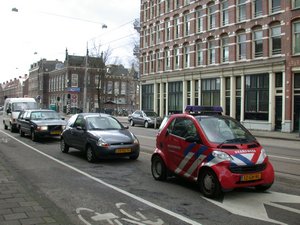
112 219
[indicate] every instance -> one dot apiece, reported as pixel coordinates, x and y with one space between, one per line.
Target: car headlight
135 140
42 128
102 143
263 152
63 127
221 155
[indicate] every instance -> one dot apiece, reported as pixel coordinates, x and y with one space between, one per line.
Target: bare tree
100 59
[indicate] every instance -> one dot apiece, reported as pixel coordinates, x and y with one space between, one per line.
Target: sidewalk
22 204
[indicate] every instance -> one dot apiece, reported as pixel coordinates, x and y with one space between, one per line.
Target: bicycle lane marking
144 201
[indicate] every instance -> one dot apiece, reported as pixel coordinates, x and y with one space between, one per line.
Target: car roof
39 110
94 114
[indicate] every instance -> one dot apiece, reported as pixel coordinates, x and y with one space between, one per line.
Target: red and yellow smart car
214 150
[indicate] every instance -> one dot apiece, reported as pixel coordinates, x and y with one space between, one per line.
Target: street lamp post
104 26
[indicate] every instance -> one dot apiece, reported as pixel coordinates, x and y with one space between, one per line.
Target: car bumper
117 151
230 180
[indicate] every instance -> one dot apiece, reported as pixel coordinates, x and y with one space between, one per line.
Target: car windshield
20 106
220 129
103 123
150 113
45 115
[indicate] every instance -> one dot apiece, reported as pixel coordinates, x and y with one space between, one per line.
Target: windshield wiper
234 140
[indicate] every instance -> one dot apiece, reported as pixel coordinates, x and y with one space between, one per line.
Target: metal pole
84 108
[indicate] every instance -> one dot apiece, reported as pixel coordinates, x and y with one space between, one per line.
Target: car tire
63 146
132 123
33 136
262 187
11 128
90 154
22 134
5 126
158 168
146 124
209 184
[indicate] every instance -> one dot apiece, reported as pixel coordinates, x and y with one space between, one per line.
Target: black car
40 123
99 136
145 118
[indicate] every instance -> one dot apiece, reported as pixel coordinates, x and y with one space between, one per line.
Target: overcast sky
45 28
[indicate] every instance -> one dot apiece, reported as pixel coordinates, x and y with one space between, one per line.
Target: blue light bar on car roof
197 109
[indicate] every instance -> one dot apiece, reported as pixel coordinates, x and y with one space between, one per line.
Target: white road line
178 216
282 157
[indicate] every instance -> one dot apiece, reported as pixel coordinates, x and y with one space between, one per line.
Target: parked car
145 118
214 150
99 136
40 123
12 108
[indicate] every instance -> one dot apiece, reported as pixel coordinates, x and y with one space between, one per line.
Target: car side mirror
8 110
80 128
126 127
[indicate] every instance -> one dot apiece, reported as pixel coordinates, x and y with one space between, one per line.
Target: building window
238 86
258 43
74 80
167 6
199 53
145 38
186 2
176 57
176 4
275 6
176 27
225 48
278 80
276 40
151 62
151 9
167 59
196 92
147 97
200 20
225 13
241 10
212 9
158 59
257 8
167 30
210 92
157 33
144 64
175 97
186 55
227 96
296 4
211 52
186 24
257 97
152 34
241 46
296 38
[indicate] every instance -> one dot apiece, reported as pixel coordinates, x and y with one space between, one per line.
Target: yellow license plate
250 177
123 150
55 132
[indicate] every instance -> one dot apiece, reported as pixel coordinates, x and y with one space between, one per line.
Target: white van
12 108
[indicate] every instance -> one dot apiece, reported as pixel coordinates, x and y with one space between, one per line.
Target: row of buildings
241 54
80 83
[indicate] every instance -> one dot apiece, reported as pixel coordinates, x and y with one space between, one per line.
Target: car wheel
158 168
11 128
263 187
209 184
5 126
131 123
22 134
146 124
63 146
33 136
90 154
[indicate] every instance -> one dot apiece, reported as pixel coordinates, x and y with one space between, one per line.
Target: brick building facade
242 55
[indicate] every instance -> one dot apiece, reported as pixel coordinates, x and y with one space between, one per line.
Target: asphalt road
123 191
